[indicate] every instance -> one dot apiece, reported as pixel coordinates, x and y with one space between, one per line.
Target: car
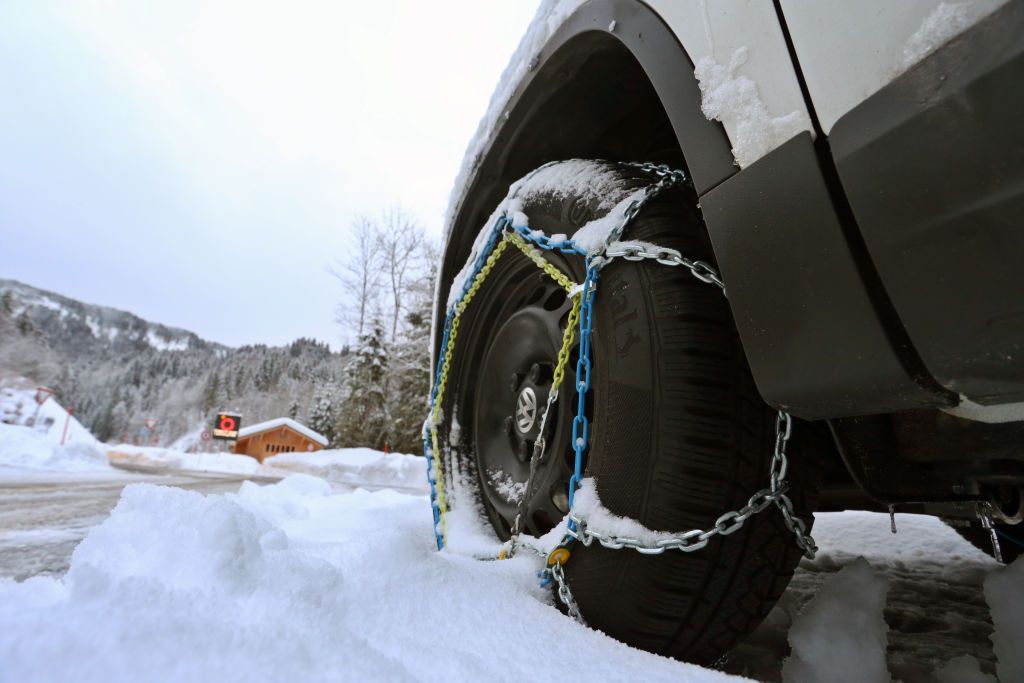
792 231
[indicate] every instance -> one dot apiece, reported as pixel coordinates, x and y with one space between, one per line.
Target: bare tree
359 275
401 242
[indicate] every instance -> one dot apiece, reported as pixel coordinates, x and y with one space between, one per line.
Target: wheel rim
511 350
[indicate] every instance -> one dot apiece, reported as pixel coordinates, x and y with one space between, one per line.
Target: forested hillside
115 369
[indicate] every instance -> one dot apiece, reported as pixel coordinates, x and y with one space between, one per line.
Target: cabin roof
283 422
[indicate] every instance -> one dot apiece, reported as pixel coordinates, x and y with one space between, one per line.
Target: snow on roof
283 422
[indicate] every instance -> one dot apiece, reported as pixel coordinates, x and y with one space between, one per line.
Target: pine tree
322 416
363 417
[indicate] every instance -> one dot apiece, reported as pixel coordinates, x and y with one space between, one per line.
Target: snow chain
522 237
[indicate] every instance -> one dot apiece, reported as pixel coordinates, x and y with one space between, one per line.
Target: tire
679 435
1011 539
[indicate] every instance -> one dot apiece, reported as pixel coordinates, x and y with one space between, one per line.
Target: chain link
565 594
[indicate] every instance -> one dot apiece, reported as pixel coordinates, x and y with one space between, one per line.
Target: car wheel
679 434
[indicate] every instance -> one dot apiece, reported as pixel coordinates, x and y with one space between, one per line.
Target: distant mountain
79 330
116 369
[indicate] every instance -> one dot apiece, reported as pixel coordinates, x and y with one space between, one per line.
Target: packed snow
840 635
300 581
357 467
734 100
290 582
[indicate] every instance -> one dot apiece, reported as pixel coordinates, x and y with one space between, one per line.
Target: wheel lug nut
509 425
524 451
538 373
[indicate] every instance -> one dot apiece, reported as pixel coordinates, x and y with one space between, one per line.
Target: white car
851 176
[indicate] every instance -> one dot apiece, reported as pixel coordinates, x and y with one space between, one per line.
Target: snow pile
1004 591
169 459
26 448
358 467
734 100
946 21
840 636
19 407
288 582
963 669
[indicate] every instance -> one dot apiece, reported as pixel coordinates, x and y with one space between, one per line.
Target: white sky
199 163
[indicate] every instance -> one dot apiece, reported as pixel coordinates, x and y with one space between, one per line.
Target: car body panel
848 51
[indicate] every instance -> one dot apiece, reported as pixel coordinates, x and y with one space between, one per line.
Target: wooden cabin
282 435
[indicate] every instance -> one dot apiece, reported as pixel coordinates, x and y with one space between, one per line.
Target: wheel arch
611 50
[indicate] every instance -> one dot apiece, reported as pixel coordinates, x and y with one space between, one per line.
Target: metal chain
578 530
984 512
564 594
726 524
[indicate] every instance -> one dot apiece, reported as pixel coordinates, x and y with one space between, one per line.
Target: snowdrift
358 467
26 448
18 407
287 582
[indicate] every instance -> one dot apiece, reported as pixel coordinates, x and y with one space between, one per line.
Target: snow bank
358 467
26 448
19 407
734 100
840 636
1004 592
166 458
287 582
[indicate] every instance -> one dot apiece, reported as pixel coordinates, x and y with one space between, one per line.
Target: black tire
679 436
1011 539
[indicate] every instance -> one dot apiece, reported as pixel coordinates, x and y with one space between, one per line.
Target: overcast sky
199 163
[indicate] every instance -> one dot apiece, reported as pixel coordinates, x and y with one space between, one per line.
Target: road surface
41 523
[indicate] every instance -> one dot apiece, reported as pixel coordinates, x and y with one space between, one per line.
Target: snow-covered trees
387 381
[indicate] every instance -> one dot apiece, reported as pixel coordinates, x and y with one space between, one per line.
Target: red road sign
226 426
205 435
151 423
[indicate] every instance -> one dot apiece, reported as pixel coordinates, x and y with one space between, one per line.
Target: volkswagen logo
526 410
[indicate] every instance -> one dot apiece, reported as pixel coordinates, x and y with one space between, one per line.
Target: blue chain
499 227
580 424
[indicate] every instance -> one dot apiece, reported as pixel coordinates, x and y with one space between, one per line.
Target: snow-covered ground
18 407
295 581
358 467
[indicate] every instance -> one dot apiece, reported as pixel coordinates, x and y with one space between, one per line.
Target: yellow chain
563 353
538 258
567 337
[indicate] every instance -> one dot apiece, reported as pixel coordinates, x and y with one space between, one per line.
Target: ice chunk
840 637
